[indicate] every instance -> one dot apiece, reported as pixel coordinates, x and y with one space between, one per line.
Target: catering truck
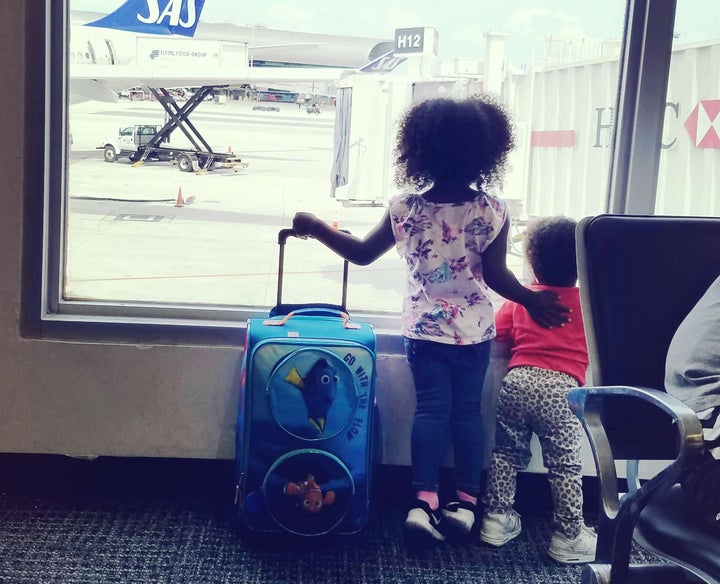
143 142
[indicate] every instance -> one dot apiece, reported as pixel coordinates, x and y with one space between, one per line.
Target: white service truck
141 142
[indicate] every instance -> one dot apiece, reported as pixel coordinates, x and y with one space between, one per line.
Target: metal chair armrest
619 515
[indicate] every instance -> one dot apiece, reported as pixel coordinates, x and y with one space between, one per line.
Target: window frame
644 69
644 74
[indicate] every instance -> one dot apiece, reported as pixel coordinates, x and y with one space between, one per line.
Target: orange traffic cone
180 202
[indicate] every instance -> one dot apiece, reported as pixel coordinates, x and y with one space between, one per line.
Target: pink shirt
557 349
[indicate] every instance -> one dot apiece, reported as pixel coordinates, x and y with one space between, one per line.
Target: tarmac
151 233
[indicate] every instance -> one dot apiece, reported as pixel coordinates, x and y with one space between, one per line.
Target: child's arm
353 249
543 305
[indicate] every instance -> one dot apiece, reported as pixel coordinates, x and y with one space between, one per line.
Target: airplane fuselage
104 61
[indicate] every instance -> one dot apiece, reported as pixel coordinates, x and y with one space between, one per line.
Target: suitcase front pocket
313 394
308 492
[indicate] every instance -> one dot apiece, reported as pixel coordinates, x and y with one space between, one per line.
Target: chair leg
638 574
595 574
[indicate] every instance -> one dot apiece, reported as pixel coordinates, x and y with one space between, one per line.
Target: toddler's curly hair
550 250
464 140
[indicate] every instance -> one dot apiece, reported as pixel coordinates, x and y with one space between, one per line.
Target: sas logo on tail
154 17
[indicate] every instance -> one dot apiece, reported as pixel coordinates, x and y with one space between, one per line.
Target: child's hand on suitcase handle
304 224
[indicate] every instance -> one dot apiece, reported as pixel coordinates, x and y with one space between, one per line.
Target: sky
460 28
460 25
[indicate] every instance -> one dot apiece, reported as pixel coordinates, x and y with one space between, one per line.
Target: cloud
525 16
347 19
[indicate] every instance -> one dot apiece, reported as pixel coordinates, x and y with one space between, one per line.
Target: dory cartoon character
318 390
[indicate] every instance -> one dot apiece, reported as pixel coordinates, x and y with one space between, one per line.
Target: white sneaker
499 528
424 523
460 515
580 550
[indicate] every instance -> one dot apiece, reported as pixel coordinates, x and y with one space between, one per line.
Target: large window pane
689 177
142 231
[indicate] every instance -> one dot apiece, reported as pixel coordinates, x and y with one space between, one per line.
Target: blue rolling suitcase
306 412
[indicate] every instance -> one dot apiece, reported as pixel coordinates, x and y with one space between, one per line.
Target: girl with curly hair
453 237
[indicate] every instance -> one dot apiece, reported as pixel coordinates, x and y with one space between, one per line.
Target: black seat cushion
635 304
670 527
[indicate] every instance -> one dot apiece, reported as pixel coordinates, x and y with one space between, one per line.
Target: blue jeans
448 387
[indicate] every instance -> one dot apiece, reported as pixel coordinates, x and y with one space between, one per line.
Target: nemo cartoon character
310 495
318 390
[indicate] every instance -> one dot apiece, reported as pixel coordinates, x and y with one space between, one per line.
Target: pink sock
430 497
462 496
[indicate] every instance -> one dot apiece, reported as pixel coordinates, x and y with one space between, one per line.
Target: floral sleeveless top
446 298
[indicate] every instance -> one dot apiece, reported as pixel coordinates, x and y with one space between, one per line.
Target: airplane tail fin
154 17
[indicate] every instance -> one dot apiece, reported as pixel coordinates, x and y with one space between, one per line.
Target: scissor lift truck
145 141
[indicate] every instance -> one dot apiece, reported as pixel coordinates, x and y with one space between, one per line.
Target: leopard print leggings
535 400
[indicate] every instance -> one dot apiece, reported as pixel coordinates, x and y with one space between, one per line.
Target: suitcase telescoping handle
282 239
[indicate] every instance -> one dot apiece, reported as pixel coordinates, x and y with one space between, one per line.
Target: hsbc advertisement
565 119
702 126
703 123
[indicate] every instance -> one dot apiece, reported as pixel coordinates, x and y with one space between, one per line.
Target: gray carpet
94 539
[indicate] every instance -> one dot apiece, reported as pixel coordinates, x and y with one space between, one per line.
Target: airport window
689 168
179 224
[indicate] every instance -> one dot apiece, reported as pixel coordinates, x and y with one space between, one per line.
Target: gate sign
409 40
417 40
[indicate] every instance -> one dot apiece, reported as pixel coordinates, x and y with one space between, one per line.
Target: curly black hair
464 140
550 249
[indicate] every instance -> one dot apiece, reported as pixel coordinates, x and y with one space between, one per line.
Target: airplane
163 43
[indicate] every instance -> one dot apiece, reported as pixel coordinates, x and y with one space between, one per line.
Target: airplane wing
103 82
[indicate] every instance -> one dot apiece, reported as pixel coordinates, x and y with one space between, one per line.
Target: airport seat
639 277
